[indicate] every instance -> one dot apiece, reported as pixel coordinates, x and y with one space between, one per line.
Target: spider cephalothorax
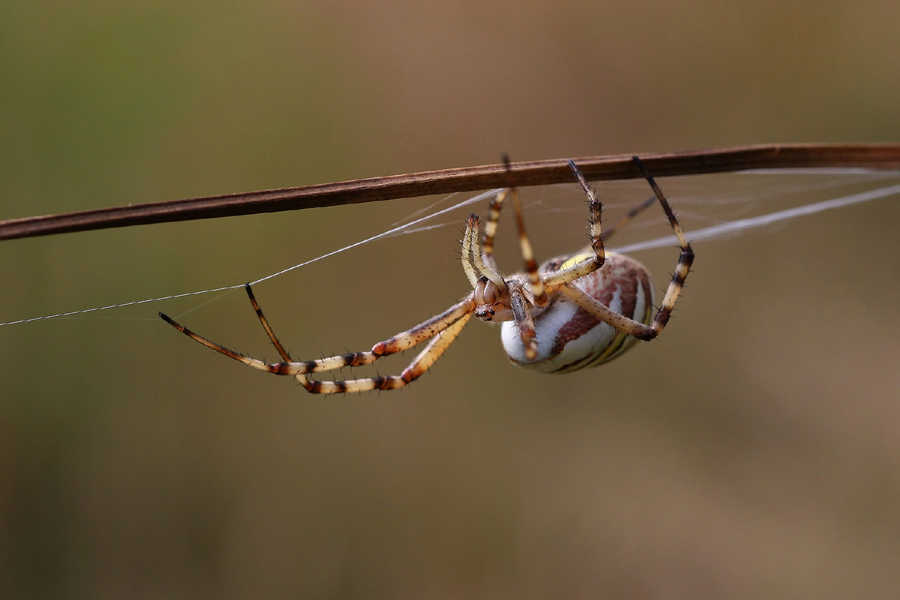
571 312
492 301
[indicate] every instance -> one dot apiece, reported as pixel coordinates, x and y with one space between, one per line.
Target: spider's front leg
441 329
490 228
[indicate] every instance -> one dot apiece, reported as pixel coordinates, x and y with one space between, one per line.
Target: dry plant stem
545 172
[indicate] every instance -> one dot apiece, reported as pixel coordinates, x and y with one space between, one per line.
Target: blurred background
751 451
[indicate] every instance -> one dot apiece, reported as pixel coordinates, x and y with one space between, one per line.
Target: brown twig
782 156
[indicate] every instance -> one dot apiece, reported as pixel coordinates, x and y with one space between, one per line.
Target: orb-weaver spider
573 312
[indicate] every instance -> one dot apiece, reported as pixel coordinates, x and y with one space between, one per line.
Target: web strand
718 231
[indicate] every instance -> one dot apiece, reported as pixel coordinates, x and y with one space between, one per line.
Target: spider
572 312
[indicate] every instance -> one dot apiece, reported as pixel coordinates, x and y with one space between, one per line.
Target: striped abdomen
570 338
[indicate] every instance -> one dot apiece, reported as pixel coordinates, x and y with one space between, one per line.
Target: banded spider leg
441 329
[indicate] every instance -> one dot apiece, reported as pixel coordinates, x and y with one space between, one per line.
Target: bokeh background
752 451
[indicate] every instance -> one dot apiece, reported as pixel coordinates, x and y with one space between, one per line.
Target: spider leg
531 267
433 351
685 259
402 341
217 347
519 299
630 326
603 313
525 322
592 262
265 323
490 228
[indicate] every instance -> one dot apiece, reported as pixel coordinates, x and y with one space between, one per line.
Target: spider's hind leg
685 259
622 323
590 263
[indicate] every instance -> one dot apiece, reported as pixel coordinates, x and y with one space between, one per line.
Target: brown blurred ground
753 451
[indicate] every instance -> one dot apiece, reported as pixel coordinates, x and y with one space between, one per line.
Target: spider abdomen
570 338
